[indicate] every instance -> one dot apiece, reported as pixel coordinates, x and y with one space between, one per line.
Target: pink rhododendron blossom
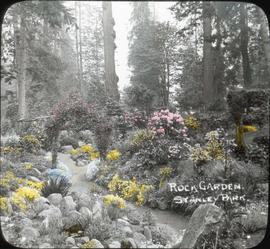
160 130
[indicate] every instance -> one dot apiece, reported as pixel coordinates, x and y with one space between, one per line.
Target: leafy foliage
56 185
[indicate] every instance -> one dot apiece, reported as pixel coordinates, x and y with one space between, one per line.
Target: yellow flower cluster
3 204
5 181
113 155
164 172
250 128
191 122
128 189
199 155
31 139
114 199
141 136
90 244
10 149
37 185
23 195
87 148
28 166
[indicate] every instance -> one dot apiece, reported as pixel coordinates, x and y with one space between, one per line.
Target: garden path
173 223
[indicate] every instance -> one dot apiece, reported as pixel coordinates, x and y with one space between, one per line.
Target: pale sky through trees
121 14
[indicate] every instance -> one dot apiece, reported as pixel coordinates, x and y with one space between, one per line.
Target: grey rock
29 233
97 210
33 179
97 244
147 233
162 204
127 231
92 169
45 245
83 200
73 218
35 173
122 222
67 148
86 213
55 199
70 240
115 244
26 222
67 204
139 239
82 163
128 243
40 204
52 220
204 216
83 240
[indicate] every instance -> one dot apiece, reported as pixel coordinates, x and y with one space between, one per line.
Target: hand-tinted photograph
134 124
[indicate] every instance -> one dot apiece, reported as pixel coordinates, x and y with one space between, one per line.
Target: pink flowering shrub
136 119
169 123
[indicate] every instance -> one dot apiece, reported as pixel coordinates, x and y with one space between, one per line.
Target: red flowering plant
168 123
137 119
74 114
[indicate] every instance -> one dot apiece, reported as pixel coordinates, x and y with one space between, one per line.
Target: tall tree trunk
77 48
80 53
111 78
20 62
219 86
244 45
265 37
208 70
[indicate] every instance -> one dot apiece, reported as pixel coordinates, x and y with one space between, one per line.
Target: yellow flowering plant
164 172
87 149
23 196
191 122
113 155
111 199
3 204
128 189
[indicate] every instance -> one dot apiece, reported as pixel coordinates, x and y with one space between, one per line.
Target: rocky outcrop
204 216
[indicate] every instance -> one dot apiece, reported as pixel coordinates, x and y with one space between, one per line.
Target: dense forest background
49 50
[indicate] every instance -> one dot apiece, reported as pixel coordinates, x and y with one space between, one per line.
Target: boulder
52 220
185 169
29 234
115 244
205 216
139 239
82 163
33 179
94 243
45 245
86 213
214 169
126 231
67 204
83 240
82 199
55 199
128 243
26 222
40 204
67 148
73 218
147 233
97 210
92 169
70 241
122 222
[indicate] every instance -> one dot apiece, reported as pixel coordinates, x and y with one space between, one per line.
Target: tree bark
265 37
111 78
20 62
208 70
244 45
80 52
